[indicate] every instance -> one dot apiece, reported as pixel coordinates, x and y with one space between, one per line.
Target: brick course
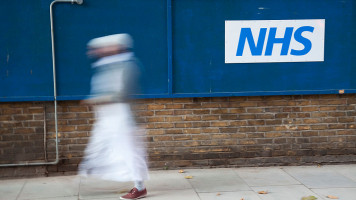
192 132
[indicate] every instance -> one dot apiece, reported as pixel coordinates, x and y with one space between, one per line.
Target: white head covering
122 39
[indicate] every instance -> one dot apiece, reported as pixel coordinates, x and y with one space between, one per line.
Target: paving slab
91 188
167 180
50 187
216 180
187 194
290 192
348 171
265 176
281 183
60 198
246 195
10 189
341 193
319 177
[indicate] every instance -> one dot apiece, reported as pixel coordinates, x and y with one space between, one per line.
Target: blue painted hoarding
181 44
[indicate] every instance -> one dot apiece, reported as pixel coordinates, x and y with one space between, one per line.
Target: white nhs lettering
256 49
258 41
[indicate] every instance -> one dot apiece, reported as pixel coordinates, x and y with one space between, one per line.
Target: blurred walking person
116 150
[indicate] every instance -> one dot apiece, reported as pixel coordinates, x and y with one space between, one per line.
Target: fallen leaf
181 171
262 192
188 177
242 199
218 194
309 198
332 197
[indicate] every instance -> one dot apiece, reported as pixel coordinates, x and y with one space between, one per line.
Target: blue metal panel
180 43
199 29
25 64
25 51
75 25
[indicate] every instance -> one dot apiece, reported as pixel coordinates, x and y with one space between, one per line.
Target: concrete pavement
280 183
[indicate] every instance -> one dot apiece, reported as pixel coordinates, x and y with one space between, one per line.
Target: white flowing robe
116 149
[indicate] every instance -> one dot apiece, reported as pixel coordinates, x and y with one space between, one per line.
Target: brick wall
192 132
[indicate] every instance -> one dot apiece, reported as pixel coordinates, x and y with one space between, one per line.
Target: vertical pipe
169 46
54 81
44 133
54 92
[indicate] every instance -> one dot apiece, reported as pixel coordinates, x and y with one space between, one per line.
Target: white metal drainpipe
54 91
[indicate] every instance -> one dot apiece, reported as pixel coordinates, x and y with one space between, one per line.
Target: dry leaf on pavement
262 192
188 177
309 198
218 194
181 171
332 197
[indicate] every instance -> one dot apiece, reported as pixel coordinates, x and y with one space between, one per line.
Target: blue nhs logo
258 41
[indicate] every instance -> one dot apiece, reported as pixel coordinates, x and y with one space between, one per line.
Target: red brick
347 119
247 129
183 112
210 117
201 137
246 116
184 125
219 124
220 111
155 107
173 119
228 117
162 138
174 106
265 116
328 108
238 123
191 118
211 105
248 104
309 109
346 132
220 99
12 111
311 121
238 135
228 130
220 136
192 131
201 112
182 100
174 131
24 131
247 142
337 126
200 124
237 110
155 119
85 115
264 128
78 109
256 122
164 125
163 101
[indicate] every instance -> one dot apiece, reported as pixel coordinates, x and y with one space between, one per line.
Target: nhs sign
262 41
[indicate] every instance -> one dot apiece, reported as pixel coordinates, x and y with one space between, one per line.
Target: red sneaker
135 194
